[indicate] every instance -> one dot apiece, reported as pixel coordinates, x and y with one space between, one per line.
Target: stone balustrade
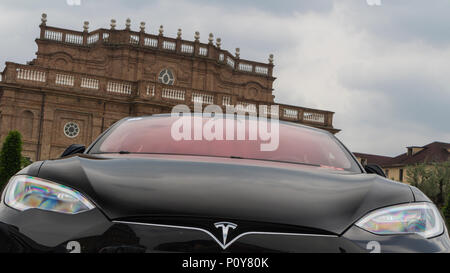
314 117
89 83
186 48
30 74
35 76
157 42
119 87
74 39
174 94
226 101
64 79
202 98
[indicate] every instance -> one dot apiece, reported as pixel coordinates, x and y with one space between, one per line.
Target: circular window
166 77
71 129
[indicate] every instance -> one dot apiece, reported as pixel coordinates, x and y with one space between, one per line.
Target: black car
140 187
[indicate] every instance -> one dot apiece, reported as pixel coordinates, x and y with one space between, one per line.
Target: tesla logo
225 226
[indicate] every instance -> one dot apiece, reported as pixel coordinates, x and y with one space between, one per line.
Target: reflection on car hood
302 196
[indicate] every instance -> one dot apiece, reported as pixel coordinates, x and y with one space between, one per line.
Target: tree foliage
25 161
446 210
433 179
10 157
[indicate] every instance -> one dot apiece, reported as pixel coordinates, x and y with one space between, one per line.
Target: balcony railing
31 75
185 48
53 35
89 83
226 101
314 117
119 87
157 42
202 98
63 79
74 39
174 94
246 107
102 86
37 76
168 45
92 39
151 42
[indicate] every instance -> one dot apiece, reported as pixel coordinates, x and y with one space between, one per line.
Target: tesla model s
161 184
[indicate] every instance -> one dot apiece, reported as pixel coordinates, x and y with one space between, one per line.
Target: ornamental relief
252 93
184 73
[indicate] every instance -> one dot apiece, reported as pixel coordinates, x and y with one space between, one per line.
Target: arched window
26 124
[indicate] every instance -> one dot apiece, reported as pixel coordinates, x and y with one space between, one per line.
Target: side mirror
374 168
74 149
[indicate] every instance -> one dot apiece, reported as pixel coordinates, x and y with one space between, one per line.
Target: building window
26 124
363 161
71 129
400 177
386 172
166 77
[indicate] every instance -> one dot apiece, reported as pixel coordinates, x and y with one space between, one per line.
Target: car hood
287 194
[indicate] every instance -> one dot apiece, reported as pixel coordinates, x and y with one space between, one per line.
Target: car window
297 144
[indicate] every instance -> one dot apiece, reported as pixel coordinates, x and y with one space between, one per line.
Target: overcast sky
384 70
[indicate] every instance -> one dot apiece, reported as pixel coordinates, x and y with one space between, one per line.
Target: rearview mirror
74 149
374 168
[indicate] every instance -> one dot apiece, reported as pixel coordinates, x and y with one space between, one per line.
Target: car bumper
91 232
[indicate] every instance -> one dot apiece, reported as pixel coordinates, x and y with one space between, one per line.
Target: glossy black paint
305 197
170 204
419 196
53 232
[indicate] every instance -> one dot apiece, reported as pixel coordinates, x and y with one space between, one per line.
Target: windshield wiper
231 156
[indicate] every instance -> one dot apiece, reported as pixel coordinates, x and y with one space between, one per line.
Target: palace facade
81 82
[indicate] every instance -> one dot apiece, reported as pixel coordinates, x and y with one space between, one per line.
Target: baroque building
82 82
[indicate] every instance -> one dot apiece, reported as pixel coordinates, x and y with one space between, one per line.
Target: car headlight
420 218
27 192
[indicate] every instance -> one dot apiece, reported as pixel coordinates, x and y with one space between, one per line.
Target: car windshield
162 135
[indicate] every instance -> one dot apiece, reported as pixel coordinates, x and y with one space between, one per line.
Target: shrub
446 211
10 157
433 179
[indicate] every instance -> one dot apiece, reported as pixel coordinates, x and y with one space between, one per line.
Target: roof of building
433 152
374 159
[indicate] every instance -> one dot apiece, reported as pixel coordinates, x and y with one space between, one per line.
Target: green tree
416 174
446 211
10 157
440 176
433 179
25 161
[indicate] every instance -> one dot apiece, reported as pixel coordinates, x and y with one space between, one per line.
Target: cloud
383 70
402 20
